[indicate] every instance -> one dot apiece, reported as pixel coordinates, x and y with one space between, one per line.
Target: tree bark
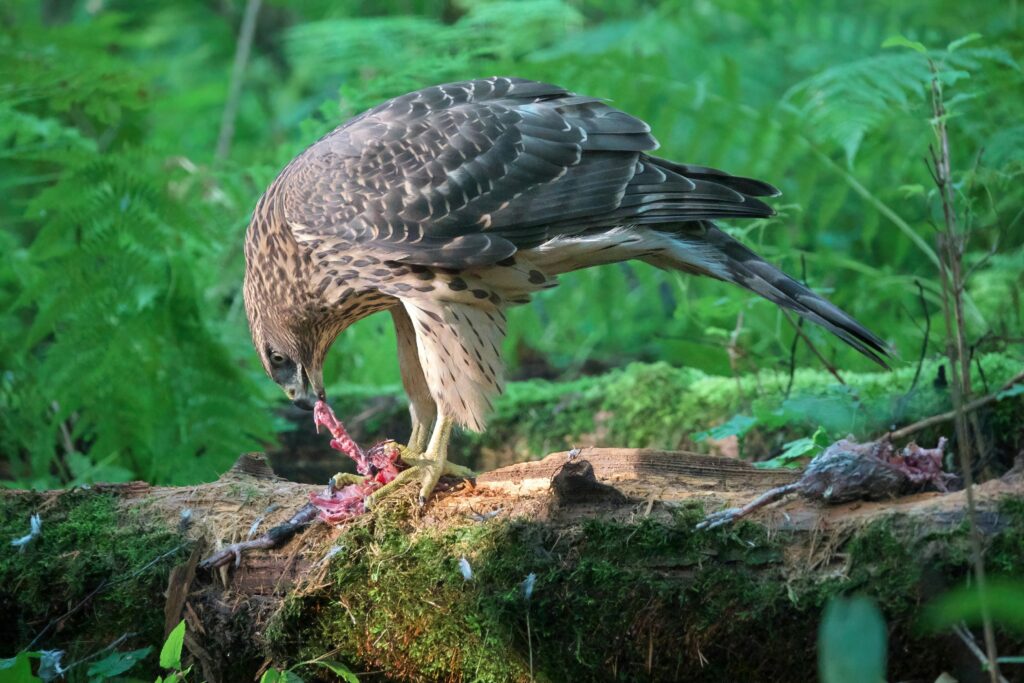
624 585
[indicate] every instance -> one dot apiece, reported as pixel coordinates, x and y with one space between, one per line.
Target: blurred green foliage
124 344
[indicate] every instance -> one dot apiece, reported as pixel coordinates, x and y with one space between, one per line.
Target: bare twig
733 347
927 422
245 36
792 357
981 372
65 432
951 250
814 349
113 644
927 334
796 337
982 262
905 399
967 638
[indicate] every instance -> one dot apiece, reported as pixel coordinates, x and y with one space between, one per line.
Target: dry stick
734 352
950 254
968 639
927 335
813 348
113 644
902 403
792 357
529 639
927 422
796 337
245 35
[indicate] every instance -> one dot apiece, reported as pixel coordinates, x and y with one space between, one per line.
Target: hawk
447 205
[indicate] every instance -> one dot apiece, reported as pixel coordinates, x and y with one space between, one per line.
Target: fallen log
623 587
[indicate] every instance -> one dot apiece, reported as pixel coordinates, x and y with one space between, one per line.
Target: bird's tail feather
717 254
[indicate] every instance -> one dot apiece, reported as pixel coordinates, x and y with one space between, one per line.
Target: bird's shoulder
439 167
435 112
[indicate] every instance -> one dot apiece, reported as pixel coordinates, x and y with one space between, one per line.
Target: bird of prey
447 205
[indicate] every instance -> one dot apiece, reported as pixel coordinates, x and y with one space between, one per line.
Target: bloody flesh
379 465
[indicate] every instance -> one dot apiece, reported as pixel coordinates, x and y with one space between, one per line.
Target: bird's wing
463 174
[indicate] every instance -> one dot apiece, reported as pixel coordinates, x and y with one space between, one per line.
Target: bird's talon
720 518
342 479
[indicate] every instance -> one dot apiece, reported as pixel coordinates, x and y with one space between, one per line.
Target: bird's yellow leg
431 465
437 452
418 438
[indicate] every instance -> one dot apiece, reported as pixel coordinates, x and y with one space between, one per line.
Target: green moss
602 592
660 406
1005 554
656 405
88 540
612 600
883 565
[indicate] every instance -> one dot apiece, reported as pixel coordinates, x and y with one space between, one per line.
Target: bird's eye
277 359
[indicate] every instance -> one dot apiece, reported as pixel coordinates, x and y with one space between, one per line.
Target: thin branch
244 45
951 250
735 352
968 639
814 349
927 422
792 357
113 644
800 325
927 334
983 261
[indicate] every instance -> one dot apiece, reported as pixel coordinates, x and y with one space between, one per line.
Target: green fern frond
845 102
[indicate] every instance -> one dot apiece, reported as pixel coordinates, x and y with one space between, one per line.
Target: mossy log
624 587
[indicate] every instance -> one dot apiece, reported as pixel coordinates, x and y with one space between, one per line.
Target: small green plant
170 656
852 642
18 669
115 664
1005 599
288 675
799 452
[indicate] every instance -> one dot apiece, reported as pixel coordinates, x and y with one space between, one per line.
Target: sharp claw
717 519
422 502
238 556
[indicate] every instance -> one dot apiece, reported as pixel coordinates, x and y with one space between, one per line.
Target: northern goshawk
448 205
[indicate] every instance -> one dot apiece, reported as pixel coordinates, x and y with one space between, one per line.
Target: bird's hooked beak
305 391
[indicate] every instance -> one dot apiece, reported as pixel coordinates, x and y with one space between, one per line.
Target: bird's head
292 348
296 370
